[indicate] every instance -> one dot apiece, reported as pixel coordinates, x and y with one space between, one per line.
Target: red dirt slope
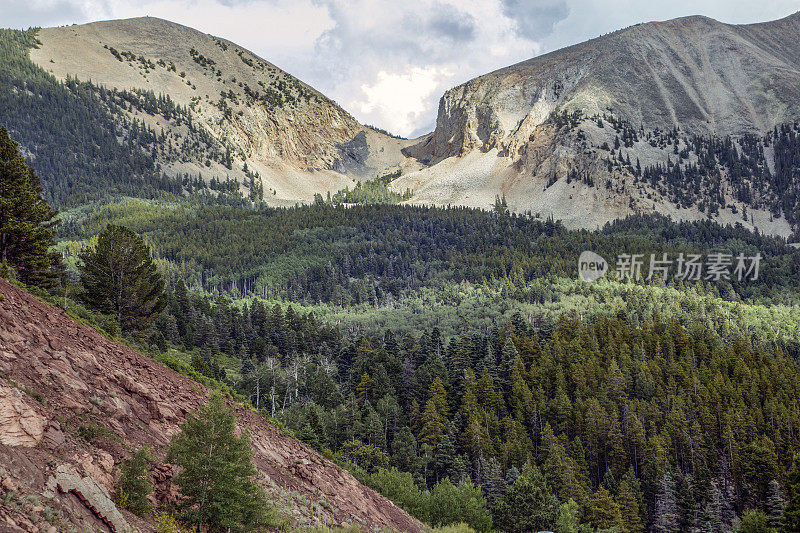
73 402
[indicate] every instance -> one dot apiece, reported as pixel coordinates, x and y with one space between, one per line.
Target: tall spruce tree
775 506
528 505
26 221
665 515
791 515
216 472
120 278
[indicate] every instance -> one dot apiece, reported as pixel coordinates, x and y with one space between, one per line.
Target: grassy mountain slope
151 104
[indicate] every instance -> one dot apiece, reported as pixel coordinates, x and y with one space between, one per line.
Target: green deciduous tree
451 504
26 221
753 522
568 521
120 278
216 472
134 483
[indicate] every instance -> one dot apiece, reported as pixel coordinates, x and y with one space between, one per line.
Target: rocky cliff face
72 403
694 76
692 73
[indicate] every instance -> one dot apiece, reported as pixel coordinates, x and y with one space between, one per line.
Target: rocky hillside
200 107
72 403
555 133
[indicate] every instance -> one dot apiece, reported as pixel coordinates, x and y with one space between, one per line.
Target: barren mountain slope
693 76
72 403
298 141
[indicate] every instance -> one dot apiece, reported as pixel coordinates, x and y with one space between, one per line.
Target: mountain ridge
254 121
627 123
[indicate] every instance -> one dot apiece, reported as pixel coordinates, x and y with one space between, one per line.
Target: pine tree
120 278
373 429
687 502
791 515
488 364
602 511
216 471
404 450
775 506
444 453
508 355
459 469
438 395
432 425
26 221
629 508
528 505
363 388
511 475
493 486
666 518
134 483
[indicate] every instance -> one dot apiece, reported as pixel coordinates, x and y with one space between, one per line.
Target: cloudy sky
388 62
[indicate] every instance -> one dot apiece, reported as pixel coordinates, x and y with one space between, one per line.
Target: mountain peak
547 119
255 120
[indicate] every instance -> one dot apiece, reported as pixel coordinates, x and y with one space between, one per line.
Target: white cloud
438 43
399 100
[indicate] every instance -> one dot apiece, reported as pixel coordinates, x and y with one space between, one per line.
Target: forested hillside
376 254
682 413
83 151
454 352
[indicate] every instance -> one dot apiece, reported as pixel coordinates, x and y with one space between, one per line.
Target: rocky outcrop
693 73
91 494
86 401
20 422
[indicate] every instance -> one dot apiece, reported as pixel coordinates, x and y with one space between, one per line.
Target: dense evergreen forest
625 420
375 254
631 405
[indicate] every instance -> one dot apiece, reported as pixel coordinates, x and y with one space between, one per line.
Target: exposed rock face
20 422
693 75
99 399
93 495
